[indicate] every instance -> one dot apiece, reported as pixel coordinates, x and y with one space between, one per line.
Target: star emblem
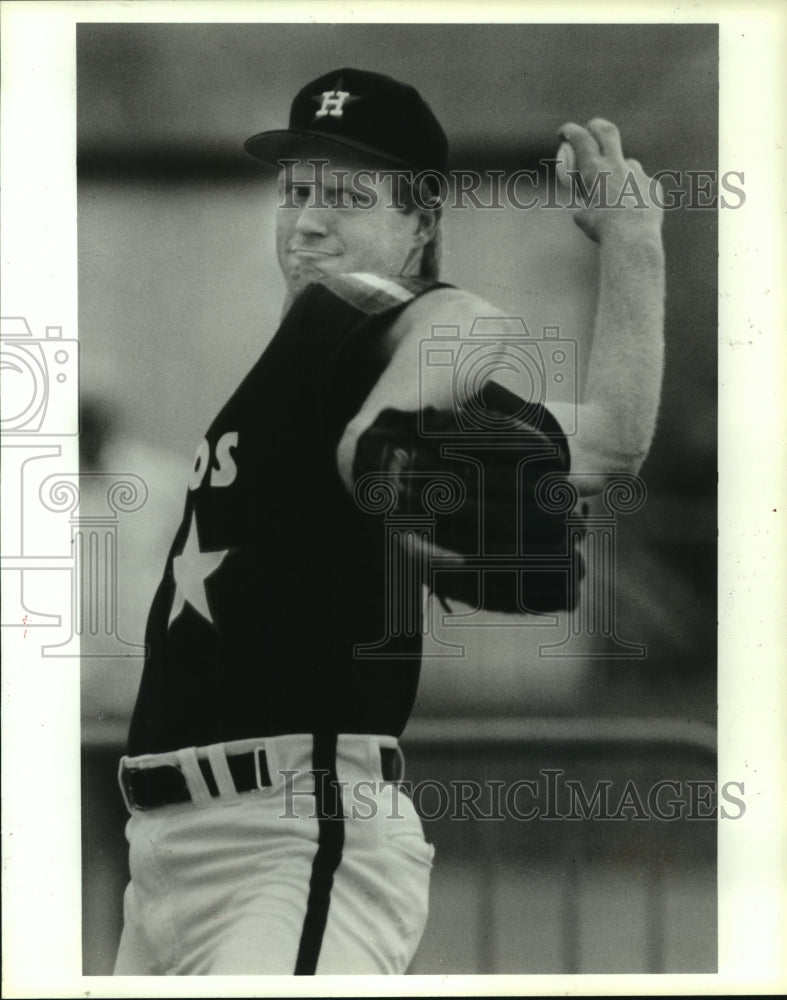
192 568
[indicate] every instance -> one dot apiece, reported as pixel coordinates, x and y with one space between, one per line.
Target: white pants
258 883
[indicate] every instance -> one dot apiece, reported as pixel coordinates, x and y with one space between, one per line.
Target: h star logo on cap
333 101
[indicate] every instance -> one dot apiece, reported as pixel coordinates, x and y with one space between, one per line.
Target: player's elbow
606 445
594 477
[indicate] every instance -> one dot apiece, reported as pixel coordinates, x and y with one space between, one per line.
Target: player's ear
426 226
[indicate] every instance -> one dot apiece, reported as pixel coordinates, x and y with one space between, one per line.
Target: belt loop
260 761
189 765
122 783
217 756
280 752
400 758
391 759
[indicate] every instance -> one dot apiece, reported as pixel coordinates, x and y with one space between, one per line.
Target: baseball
566 160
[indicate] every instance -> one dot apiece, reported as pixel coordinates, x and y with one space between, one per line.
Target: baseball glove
471 475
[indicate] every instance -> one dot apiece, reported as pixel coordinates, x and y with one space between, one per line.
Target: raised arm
617 416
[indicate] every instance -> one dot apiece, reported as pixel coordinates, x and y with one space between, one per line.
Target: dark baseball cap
360 110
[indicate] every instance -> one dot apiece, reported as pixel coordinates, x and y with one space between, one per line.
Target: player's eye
300 193
297 195
352 198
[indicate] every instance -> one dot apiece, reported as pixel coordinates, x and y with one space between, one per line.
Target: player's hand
625 201
475 490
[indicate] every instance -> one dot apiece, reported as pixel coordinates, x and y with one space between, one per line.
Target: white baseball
566 160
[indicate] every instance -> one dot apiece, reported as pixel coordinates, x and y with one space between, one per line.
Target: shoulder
424 302
449 302
460 312
370 293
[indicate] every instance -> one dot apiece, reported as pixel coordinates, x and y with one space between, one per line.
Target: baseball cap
360 110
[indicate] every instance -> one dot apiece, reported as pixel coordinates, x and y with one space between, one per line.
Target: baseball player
268 830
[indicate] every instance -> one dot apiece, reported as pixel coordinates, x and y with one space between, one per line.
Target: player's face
342 218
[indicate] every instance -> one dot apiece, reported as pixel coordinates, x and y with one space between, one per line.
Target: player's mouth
304 266
309 254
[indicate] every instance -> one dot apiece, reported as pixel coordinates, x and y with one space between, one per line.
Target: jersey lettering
201 461
226 469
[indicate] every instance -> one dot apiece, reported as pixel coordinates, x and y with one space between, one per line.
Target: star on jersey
192 567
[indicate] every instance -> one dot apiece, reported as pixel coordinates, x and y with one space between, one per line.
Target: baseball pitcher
343 480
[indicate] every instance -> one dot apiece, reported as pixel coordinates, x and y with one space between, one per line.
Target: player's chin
302 276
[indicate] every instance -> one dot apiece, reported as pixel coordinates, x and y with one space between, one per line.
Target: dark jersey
276 576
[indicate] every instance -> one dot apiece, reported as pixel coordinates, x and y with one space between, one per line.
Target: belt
165 785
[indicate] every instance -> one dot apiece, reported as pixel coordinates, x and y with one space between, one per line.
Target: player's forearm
617 418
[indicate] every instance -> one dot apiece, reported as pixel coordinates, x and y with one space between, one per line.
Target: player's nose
312 221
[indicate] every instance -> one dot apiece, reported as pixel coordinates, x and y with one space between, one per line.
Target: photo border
42 856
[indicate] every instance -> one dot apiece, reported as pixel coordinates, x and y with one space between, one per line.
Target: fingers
598 136
583 143
607 136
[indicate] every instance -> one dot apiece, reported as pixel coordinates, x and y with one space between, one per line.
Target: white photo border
40 700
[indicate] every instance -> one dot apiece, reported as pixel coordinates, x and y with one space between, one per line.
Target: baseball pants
323 870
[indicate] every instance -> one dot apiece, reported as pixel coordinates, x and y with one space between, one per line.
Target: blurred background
179 293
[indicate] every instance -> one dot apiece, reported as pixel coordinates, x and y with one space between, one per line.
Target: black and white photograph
371 499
